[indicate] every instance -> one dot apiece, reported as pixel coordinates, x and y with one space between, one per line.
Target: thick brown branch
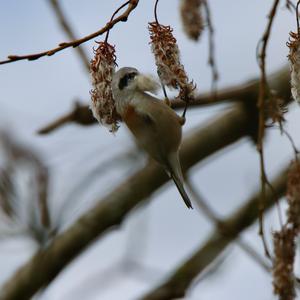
247 91
122 18
113 209
83 115
177 284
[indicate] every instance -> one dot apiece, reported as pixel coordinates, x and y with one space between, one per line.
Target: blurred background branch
62 20
112 209
181 278
56 251
81 114
240 121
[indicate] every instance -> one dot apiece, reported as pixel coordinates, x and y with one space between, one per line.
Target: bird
155 126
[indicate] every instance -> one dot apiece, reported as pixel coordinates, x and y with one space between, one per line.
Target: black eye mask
126 79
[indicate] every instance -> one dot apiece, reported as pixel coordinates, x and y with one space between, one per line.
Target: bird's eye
126 79
131 75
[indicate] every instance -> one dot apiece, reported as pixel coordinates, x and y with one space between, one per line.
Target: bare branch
122 18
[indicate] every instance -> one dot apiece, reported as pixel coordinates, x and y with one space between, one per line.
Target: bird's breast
132 119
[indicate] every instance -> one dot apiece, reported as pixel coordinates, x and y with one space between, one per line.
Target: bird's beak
147 83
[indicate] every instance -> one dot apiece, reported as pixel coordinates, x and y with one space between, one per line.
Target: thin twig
185 109
297 17
290 138
202 204
122 18
289 5
295 149
219 225
167 100
112 17
155 11
253 254
211 50
263 90
69 31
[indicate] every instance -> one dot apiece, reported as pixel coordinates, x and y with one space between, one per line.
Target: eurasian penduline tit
155 126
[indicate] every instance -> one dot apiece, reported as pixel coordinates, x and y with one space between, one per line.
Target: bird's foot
182 120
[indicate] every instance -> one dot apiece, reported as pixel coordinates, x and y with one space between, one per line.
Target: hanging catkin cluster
102 69
283 275
294 58
191 17
293 195
167 59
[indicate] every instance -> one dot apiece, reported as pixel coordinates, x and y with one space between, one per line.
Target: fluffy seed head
102 69
167 59
293 195
283 265
191 17
294 58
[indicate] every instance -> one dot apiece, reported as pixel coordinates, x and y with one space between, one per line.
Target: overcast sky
164 232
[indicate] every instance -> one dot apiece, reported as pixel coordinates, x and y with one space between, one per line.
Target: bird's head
127 81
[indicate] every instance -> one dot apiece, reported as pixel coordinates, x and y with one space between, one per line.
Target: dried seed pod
191 17
167 59
102 69
293 195
294 58
283 265
276 109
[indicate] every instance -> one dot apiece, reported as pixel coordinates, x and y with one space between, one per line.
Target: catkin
294 58
167 59
283 265
191 17
102 69
293 195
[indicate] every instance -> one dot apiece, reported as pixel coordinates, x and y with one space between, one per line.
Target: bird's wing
155 126
167 124
145 130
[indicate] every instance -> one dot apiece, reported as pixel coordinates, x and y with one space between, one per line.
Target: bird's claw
182 120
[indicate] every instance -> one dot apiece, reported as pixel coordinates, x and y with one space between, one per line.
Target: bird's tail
176 175
180 187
